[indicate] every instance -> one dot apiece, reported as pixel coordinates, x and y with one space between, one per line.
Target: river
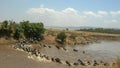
105 51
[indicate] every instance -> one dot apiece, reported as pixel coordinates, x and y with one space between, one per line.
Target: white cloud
115 12
95 14
102 12
70 11
90 13
112 21
72 17
65 17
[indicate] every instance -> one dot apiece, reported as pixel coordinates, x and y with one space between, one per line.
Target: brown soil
4 41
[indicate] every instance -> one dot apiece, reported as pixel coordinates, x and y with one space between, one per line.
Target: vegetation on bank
27 30
102 30
24 29
61 37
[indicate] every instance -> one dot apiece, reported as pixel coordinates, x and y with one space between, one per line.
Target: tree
23 29
4 30
33 30
17 34
61 37
4 24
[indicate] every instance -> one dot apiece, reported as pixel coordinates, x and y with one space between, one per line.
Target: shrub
61 37
33 30
17 33
28 30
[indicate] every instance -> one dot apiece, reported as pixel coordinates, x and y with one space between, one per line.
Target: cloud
95 14
52 17
73 17
90 13
115 12
102 12
112 21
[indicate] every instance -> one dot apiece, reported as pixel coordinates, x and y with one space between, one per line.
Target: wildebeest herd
27 47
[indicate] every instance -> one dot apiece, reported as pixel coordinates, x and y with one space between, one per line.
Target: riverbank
79 37
73 37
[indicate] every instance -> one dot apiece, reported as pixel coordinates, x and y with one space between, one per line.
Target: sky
63 13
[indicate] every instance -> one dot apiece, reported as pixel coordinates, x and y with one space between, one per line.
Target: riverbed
101 52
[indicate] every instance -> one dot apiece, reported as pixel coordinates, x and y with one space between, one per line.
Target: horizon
63 13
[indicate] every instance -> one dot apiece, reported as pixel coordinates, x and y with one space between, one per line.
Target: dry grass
82 32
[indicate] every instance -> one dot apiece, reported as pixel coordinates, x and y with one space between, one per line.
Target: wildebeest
95 63
49 46
80 61
53 59
57 47
58 60
68 63
76 64
75 50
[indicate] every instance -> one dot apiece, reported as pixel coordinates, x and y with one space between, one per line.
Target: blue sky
71 12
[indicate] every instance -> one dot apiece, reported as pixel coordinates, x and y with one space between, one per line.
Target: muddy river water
104 51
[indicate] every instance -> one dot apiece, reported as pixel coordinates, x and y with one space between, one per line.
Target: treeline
23 29
26 30
102 30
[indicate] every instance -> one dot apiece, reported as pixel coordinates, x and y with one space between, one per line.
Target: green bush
27 29
33 30
61 37
17 33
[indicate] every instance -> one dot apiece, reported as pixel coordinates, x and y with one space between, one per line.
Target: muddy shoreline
18 56
66 56
48 53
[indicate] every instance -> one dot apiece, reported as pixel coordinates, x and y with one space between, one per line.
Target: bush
7 28
33 30
61 37
17 33
25 29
